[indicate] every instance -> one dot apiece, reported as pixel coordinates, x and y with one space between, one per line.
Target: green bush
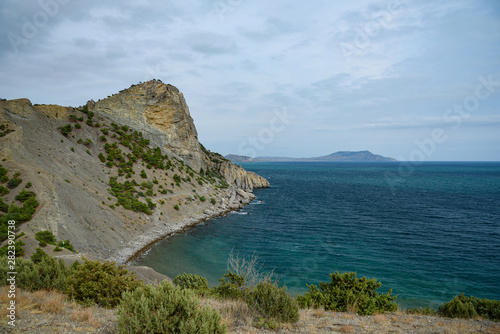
38 256
4 191
166 309
47 274
231 286
176 207
346 292
124 193
66 244
3 206
100 283
14 182
18 214
65 130
45 237
470 307
4 178
273 304
192 281
18 249
24 195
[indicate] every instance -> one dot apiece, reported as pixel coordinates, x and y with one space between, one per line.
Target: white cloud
237 61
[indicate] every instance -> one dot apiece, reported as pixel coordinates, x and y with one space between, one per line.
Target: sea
428 232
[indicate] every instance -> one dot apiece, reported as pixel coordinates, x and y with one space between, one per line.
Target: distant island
341 156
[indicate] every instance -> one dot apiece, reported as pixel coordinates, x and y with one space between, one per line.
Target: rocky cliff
117 174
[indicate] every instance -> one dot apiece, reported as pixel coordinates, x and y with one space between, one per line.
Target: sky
412 80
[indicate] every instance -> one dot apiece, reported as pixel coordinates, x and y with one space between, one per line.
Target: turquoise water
428 233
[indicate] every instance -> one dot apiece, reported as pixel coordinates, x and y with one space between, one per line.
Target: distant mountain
341 156
361 156
238 158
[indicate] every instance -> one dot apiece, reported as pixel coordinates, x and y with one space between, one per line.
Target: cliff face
159 110
143 135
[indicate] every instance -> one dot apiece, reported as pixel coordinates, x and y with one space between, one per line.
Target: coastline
162 230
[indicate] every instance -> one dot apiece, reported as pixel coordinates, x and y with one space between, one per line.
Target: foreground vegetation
189 305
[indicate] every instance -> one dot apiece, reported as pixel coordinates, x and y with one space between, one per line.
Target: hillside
341 156
115 175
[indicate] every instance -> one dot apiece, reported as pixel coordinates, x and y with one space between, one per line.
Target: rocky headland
116 175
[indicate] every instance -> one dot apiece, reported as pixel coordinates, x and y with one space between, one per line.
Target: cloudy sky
414 80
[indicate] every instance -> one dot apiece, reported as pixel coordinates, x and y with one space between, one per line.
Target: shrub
47 274
100 283
24 195
176 207
231 286
346 292
65 130
470 307
18 249
38 256
272 303
4 179
14 182
213 201
45 237
18 214
28 185
192 281
66 244
78 126
166 309
3 206
3 191
203 199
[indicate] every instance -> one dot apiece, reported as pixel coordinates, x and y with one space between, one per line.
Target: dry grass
39 304
318 313
380 319
349 315
82 314
55 303
347 329
86 314
234 313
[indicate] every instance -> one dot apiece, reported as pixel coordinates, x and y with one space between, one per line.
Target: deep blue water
429 233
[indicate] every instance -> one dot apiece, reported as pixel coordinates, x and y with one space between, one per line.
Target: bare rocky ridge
72 184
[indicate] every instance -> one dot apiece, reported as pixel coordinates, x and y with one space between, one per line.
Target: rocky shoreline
139 246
